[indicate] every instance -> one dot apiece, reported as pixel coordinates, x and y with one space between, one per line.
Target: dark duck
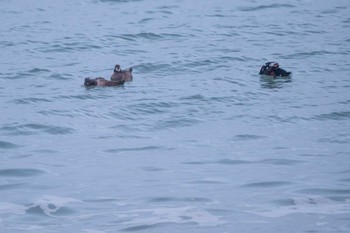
273 69
119 74
119 77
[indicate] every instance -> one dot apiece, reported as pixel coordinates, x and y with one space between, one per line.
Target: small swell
174 199
31 129
30 100
266 7
345 115
7 145
20 172
268 184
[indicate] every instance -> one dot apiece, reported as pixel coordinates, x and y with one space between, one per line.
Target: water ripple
267 184
7 145
341 115
20 172
30 100
266 7
30 129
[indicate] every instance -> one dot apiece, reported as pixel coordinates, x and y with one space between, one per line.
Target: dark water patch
145 148
18 75
232 162
20 172
284 202
330 11
175 199
222 161
245 137
345 180
140 227
196 97
50 210
205 182
148 36
280 161
31 100
38 70
36 210
4 44
266 7
339 138
343 199
314 155
30 129
197 162
267 184
341 115
175 122
345 171
7 145
4 187
315 32
325 191
145 20
242 162
152 169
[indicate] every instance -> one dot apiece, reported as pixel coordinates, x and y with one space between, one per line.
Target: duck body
119 77
102 82
119 74
273 69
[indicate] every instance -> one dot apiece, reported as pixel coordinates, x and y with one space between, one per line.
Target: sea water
198 142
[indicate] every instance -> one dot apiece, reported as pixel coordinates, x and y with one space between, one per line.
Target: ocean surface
198 141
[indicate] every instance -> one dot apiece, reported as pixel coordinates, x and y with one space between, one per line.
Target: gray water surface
198 142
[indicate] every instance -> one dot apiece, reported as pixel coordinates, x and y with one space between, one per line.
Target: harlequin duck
119 74
272 69
102 82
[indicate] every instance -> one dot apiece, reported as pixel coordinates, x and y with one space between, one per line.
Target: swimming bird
273 69
119 74
99 81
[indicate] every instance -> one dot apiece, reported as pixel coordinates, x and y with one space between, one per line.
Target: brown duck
119 77
119 74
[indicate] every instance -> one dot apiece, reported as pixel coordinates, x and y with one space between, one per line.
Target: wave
34 128
20 172
8 145
148 36
266 7
338 116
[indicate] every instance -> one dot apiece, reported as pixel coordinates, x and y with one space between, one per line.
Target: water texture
198 142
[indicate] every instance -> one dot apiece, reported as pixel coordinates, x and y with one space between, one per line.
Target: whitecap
51 204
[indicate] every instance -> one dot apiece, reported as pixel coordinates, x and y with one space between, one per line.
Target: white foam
50 204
